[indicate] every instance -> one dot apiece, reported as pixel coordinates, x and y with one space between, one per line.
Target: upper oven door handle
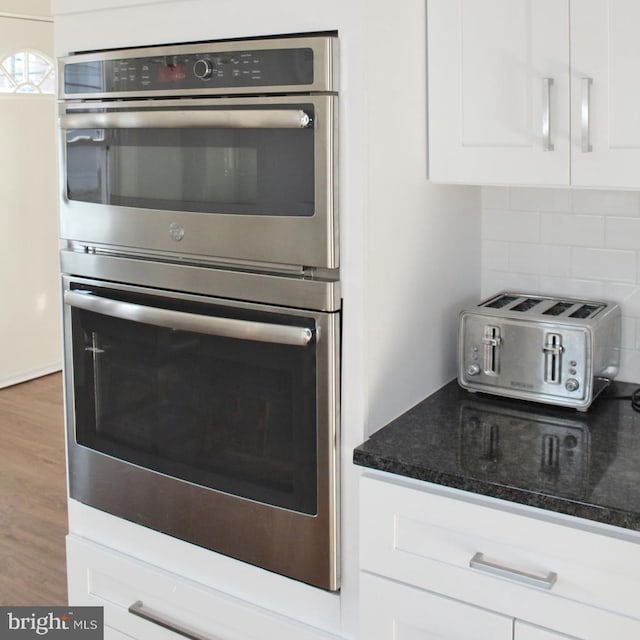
190 119
182 321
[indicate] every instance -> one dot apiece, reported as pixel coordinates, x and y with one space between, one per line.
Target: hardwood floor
33 511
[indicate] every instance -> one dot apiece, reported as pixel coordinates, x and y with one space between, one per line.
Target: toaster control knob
473 369
571 384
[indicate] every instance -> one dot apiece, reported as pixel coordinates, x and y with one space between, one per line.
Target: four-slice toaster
560 351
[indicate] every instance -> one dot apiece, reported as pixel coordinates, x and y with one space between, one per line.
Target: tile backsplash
572 242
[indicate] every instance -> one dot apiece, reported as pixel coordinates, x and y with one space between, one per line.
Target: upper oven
219 152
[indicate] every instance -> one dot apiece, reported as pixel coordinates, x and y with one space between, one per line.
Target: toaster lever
491 341
553 351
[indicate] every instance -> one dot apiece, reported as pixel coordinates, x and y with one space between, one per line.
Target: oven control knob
571 384
202 69
473 369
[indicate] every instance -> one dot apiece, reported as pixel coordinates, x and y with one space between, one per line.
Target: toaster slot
553 350
587 311
501 301
491 341
558 308
526 305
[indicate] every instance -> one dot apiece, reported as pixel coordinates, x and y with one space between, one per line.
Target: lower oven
211 420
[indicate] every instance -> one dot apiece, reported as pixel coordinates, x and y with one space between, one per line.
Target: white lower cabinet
113 634
394 611
525 631
436 567
173 607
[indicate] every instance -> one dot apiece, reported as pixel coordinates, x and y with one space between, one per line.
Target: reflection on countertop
581 464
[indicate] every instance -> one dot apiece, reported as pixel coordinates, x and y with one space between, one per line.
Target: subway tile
495 198
576 288
538 199
542 260
618 203
510 226
495 256
626 295
629 365
629 334
623 233
575 230
496 281
604 264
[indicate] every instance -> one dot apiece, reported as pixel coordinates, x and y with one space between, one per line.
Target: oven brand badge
52 623
176 231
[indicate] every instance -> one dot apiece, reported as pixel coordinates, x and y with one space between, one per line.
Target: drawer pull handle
138 609
543 582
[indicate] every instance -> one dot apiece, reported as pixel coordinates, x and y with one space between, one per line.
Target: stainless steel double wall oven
202 294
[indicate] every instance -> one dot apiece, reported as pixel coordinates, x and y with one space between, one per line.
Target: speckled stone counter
580 464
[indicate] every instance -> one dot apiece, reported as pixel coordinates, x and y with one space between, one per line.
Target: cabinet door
499 91
605 93
525 631
393 611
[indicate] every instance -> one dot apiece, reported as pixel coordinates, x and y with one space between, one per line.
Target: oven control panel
237 67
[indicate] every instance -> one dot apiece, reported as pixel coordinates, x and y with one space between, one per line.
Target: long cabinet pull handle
138 609
547 144
531 579
180 320
213 119
585 115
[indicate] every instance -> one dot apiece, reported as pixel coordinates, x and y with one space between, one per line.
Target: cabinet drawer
428 540
392 611
101 576
113 634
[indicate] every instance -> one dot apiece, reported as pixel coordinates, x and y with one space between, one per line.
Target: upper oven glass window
244 168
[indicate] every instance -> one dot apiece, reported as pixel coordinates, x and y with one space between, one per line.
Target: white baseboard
30 375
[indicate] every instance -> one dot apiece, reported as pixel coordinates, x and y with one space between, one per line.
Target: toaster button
571 384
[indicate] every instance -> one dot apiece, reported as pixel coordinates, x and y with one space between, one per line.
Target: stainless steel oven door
229 178
208 420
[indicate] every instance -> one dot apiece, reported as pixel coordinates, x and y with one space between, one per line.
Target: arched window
26 72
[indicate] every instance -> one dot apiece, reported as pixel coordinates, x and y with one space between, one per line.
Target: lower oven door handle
180 320
212 119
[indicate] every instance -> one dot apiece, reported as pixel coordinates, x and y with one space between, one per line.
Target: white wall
568 242
30 342
421 240
36 8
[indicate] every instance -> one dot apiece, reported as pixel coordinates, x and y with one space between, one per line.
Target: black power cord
634 397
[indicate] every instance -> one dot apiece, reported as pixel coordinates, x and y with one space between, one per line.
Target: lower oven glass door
198 418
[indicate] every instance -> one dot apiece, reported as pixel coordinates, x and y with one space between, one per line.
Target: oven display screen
171 73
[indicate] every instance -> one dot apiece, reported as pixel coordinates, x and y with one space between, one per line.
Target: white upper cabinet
605 93
534 92
499 91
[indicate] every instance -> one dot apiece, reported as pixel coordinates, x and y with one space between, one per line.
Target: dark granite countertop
584 464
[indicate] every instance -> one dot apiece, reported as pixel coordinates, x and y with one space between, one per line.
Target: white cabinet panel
426 540
112 634
99 576
539 92
393 611
605 53
499 91
525 631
